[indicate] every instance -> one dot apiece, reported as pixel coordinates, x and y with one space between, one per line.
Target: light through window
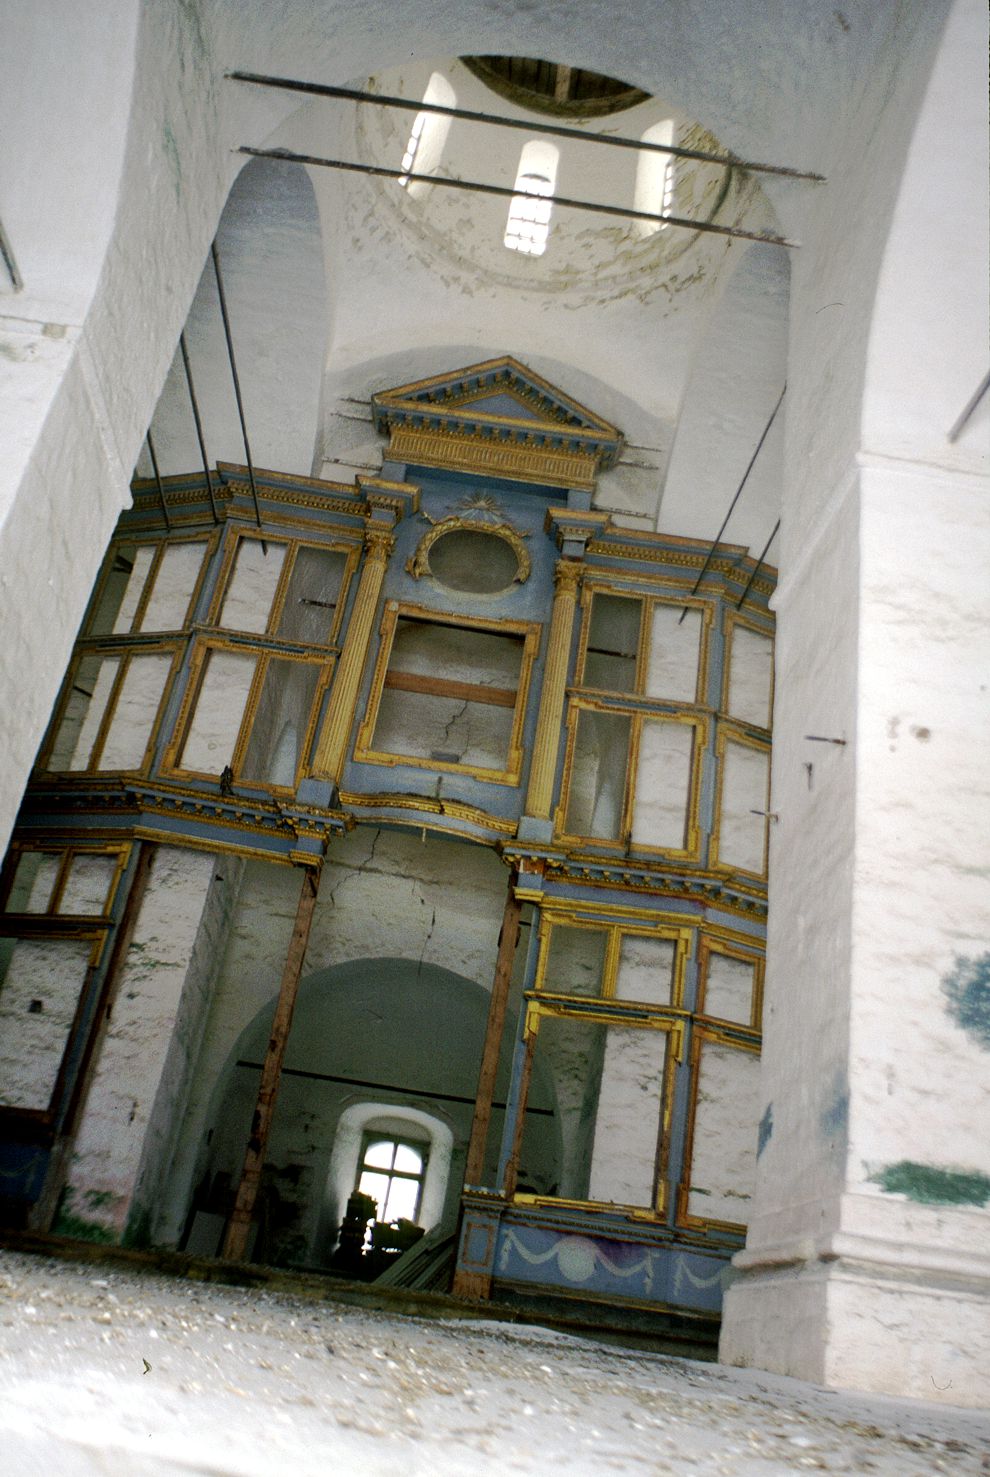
391 1172
528 226
427 136
655 178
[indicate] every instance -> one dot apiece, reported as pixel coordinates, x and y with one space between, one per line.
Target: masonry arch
372 1039
738 373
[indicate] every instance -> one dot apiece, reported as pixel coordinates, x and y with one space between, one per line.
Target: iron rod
508 193
752 462
236 380
469 115
158 479
970 406
7 252
199 425
757 566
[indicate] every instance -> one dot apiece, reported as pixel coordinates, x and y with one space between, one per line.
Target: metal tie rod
382 100
725 521
287 156
237 384
199 424
158 478
757 566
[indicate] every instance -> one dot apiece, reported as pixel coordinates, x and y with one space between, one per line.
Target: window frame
530 631
733 620
124 650
638 715
292 544
419 1146
648 600
614 1013
734 733
263 656
737 1038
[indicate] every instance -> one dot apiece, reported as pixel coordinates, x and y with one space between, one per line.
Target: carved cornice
493 455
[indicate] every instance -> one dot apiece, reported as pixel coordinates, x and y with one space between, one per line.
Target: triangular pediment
498 401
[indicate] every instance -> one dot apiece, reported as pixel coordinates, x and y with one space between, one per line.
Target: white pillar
867 1262
141 1079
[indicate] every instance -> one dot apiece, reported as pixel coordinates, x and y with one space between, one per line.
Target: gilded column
539 797
332 748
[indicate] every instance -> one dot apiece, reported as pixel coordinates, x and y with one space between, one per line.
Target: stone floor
114 1372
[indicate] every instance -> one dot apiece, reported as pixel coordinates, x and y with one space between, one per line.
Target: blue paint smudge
967 989
765 1131
836 1116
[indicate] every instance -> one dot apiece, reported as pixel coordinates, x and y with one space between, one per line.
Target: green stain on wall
931 1186
81 1229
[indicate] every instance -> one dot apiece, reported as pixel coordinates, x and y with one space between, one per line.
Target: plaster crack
426 942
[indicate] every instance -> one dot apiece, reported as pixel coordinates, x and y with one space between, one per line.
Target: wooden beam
42 1213
239 1224
507 941
467 692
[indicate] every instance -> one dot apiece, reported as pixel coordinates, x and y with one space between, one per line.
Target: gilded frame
66 854
734 620
673 1028
615 931
418 564
708 945
649 599
638 716
738 1039
262 656
365 753
73 926
732 733
292 545
159 544
102 649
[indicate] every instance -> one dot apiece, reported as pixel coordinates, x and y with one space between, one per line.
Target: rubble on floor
112 1372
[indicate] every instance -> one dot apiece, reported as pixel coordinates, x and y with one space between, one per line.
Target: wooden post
42 1213
475 1281
507 941
239 1224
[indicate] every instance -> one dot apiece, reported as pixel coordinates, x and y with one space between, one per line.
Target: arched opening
271 253
386 1045
528 226
424 149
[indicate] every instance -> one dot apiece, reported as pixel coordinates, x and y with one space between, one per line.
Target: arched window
392 1170
654 178
528 225
428 136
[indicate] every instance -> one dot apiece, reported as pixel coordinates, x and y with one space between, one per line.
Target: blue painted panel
600 1266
